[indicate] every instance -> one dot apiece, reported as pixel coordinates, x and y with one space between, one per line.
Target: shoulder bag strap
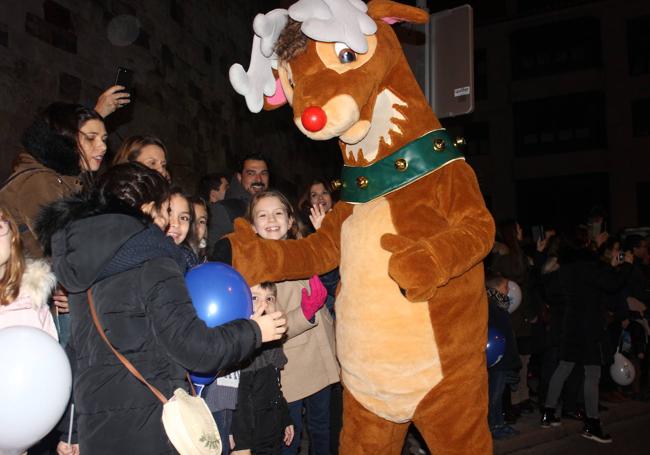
129 366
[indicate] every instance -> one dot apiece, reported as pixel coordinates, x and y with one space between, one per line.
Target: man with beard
252 178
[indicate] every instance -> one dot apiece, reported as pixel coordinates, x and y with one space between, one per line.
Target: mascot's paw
243 236
411 267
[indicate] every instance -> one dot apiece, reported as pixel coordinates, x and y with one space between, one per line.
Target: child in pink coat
25 285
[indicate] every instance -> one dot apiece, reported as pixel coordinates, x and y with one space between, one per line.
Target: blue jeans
496 386
223 420
62 322
317 407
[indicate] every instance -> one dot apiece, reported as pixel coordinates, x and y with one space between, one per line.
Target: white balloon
514 294
622 370
35 385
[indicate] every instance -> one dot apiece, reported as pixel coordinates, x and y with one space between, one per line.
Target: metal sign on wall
443 60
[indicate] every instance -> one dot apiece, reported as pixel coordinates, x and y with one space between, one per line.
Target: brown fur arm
261 260
423 265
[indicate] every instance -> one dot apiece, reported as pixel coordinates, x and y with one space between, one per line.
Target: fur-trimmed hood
90 239
37 282
51 149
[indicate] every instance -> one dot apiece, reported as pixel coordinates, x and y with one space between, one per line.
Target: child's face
261 296
179 218
201 222
270 219
503 287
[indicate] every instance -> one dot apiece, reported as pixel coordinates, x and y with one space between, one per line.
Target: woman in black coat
583 280
108 243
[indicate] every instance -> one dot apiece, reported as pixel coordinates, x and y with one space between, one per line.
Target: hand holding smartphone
118 95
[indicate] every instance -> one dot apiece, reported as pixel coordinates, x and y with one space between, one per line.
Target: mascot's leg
365 433
452 417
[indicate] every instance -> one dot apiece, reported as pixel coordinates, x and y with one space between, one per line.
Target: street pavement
628 423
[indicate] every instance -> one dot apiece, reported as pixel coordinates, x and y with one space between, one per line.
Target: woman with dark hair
64 141
64 145
318 199
111 243
144 149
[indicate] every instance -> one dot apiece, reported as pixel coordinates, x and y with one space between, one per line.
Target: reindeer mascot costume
409 234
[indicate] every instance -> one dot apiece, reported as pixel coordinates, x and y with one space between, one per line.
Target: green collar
406 165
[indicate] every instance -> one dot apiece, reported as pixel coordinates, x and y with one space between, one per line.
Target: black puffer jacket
144 307
581 286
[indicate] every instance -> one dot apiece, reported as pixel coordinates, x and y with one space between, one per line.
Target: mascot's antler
333 21
342 21
258 80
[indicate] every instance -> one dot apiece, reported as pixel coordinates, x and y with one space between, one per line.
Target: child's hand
60 299
288 435
67 449
271 325
311 303
232 441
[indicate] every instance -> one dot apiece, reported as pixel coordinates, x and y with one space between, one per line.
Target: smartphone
538 233
124 78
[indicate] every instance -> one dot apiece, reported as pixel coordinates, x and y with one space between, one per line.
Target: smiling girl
311 367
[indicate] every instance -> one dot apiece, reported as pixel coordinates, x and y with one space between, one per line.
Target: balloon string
71 420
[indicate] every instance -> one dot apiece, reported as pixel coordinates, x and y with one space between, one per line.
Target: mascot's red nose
313 119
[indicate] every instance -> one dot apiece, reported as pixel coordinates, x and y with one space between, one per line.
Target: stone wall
180 51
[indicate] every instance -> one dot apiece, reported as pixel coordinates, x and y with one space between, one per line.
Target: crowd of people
583 299
117 237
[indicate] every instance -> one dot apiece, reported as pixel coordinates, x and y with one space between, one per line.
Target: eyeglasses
4 228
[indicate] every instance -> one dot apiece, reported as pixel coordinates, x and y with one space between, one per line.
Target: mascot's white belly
385 343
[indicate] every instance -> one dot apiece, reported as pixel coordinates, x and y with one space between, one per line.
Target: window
561 47
641 117
560 124
638 45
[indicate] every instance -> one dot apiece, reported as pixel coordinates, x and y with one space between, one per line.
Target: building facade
562 118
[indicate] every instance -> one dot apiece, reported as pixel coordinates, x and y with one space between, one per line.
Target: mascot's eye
344 53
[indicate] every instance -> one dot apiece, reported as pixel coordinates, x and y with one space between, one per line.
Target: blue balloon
202 379
495 347
219 295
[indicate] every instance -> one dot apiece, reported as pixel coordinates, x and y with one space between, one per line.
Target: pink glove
311 303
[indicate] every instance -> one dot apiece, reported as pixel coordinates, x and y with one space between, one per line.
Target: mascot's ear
393 12
278 99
